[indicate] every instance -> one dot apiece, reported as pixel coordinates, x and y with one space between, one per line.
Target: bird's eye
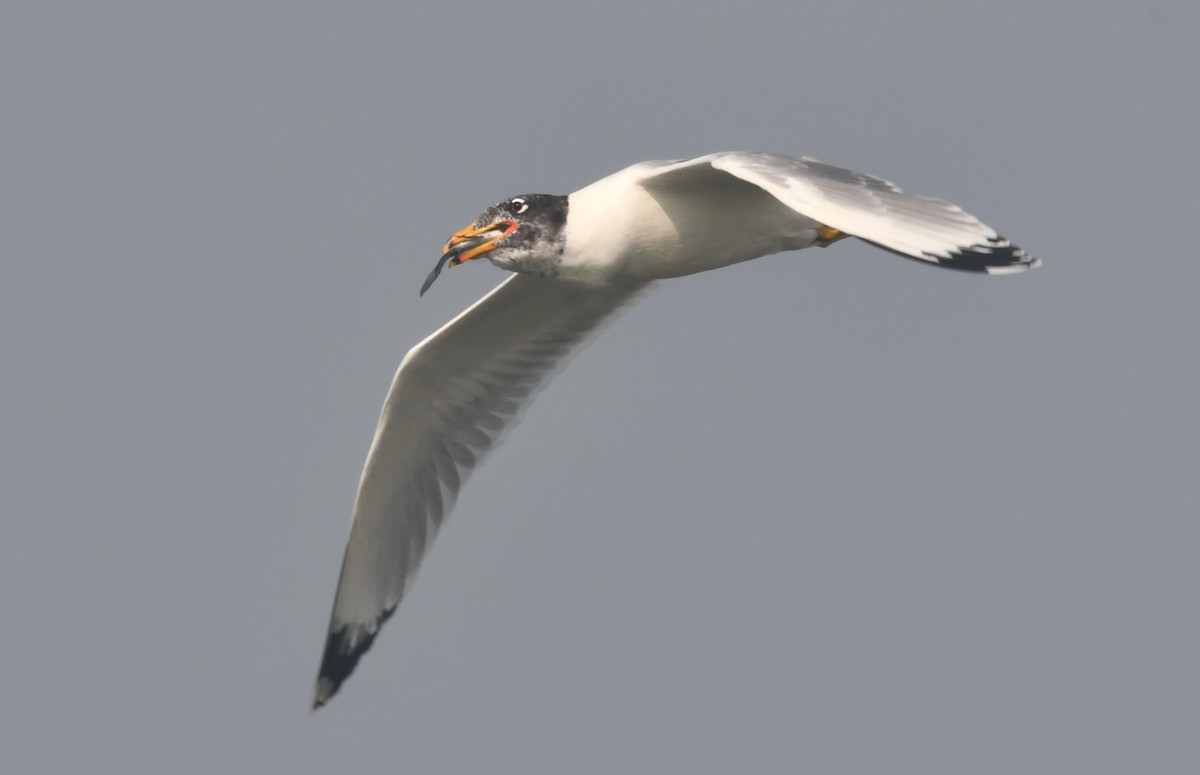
518 205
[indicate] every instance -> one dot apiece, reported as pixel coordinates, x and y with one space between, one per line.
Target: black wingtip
338 662
995 256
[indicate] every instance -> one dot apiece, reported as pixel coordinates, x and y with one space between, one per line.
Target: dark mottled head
522 233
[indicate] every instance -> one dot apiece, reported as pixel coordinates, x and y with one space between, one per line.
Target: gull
578 260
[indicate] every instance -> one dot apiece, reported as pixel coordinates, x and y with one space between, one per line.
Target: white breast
618 228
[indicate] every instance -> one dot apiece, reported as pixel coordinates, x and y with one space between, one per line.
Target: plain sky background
828 512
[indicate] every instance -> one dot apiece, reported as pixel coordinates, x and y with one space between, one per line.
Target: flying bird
577 260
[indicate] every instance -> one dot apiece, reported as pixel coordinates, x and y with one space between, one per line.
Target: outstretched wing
866 207
453 396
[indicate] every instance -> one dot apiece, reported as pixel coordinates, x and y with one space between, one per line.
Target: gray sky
828 511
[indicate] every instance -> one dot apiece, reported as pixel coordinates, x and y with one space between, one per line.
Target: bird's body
670 227
578 260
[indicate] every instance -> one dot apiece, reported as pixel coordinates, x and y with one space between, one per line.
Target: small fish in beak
469 243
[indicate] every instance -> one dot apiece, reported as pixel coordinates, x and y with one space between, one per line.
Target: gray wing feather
867 207
452 397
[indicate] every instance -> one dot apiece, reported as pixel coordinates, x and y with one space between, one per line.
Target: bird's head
513 234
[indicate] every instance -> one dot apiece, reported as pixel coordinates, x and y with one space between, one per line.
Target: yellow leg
827 236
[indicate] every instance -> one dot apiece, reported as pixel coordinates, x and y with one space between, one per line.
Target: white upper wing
452 397
862 206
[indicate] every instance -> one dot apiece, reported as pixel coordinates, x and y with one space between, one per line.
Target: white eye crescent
519 205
